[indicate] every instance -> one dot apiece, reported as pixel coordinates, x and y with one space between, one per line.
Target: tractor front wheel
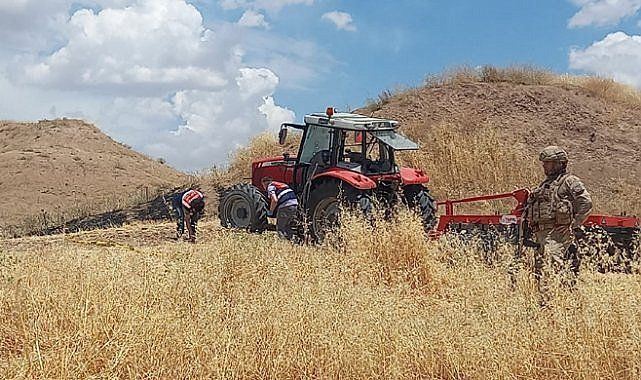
326 201
243 206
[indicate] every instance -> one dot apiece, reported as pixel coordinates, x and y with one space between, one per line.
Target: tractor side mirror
282 135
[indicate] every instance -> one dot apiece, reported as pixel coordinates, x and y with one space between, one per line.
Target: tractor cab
360 144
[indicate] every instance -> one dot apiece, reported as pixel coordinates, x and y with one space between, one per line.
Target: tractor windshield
317 141
366 153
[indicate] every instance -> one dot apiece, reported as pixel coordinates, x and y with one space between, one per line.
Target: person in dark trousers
283 204
556 211
188 207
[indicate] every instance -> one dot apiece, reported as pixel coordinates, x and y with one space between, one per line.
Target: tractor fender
354 179
411 176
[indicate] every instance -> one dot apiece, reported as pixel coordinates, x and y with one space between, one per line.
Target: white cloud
253 19
296 62
603 12
148 72
275 115
342 20
617 56
217 122
266 5
29 25
156 46
256 81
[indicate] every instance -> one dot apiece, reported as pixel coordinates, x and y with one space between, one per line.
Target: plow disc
604 249
610 249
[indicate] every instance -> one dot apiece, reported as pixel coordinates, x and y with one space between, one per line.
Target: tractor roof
351 121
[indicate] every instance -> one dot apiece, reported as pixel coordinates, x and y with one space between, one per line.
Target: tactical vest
547 207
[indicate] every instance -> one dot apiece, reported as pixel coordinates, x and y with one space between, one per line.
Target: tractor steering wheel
355 157
320 158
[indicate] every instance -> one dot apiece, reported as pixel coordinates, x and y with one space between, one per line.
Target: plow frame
450 217
514 217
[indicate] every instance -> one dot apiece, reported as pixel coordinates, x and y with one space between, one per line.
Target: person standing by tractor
283 204
555 211
188 207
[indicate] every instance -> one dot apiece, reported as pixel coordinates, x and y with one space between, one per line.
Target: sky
191 80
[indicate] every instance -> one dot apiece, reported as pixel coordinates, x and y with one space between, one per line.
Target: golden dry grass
372 305
470 161
463 162
604 88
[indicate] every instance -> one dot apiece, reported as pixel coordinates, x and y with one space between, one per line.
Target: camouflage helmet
553 153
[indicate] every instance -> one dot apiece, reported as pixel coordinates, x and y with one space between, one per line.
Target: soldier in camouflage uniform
555 210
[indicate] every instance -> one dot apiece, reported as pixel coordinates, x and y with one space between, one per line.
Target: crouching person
283 204
188 207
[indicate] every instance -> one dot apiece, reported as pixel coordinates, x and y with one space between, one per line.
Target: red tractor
343 158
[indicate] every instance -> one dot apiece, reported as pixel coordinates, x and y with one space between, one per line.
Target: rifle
528 236
524 238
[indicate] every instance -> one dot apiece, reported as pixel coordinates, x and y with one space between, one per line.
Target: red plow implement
611 243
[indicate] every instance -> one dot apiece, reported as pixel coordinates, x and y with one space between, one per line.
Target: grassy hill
482 131
68 168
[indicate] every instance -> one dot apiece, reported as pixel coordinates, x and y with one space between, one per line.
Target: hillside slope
601 132
58 166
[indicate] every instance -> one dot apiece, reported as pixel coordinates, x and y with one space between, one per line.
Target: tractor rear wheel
419 199
325 202
243 206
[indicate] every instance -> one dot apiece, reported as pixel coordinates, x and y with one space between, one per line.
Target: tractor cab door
316 140
315 153
381 146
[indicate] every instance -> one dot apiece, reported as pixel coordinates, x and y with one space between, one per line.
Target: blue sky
397 43
164 75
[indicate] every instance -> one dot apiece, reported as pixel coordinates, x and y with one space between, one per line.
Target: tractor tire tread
254 197
349 195
420 199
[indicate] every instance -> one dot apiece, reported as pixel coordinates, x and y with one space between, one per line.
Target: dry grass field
130 303
375 301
